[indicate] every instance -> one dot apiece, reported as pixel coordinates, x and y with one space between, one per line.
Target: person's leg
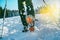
24 23
30 9
21 13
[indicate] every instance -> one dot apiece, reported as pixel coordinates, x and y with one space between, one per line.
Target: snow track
13 27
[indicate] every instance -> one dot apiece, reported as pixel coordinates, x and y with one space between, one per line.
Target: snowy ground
44 31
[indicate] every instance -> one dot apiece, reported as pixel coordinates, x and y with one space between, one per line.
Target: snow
13 31
44 31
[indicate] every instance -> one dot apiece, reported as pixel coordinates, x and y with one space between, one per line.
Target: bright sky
13 4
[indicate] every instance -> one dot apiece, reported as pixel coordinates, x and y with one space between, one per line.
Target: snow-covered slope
44 31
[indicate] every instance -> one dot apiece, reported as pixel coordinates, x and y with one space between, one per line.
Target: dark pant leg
30 9
21 13
23 19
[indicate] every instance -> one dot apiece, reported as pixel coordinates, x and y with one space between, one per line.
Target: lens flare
50 12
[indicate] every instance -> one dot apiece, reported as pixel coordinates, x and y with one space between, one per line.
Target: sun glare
50 11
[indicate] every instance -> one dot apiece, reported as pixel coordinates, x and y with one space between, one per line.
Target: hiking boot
24 30
31 29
